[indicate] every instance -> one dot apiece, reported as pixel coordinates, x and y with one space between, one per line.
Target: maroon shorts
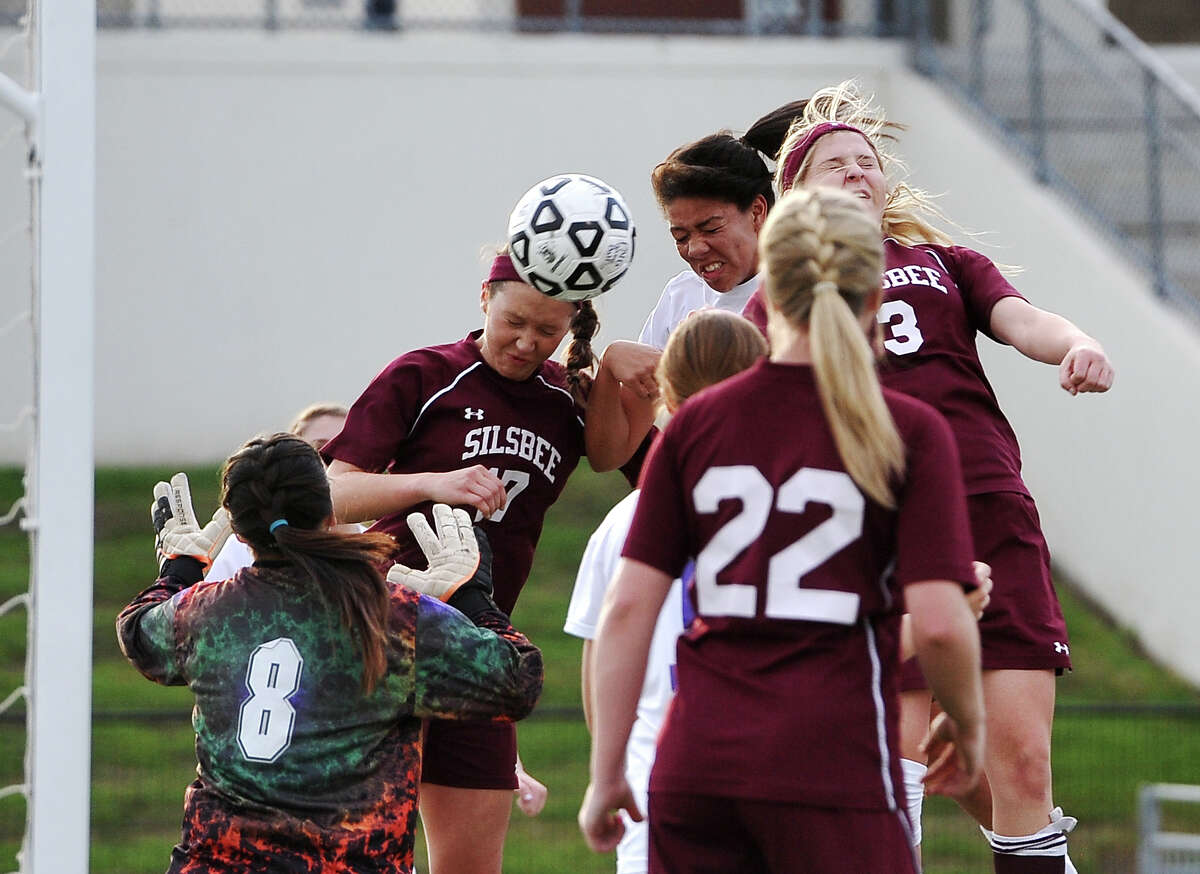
470 755
698 834
1023 626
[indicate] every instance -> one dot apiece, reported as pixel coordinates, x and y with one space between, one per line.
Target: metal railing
1166 852
1099 115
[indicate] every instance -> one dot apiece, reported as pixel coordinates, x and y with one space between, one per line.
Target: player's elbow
941 620
945 636
604 456
621 606
944 641
602 465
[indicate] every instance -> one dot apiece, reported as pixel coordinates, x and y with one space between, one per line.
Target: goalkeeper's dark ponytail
277 495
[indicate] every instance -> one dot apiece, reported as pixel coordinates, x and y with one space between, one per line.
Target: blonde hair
705 348
909 212
316 411
822 258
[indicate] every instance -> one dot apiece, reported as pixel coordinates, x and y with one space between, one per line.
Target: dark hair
282 477
580 357
719 166
768 133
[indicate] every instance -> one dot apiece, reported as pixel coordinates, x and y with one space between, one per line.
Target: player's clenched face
717 240
843 159
521 329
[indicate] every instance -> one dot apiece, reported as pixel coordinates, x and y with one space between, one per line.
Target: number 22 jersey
787 678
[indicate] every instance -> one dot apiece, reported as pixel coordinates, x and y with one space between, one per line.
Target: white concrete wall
280 215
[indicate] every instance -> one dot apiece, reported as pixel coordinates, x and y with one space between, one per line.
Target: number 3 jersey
299 770
443 408
787 678
935 301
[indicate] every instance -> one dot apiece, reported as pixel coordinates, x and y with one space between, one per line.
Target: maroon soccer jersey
443 408
935 300
787 677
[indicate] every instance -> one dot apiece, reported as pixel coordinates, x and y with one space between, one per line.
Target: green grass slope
141 766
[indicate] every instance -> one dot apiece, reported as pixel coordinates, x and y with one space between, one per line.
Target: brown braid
580 358
282 477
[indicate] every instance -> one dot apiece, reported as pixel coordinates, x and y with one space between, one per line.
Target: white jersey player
583 616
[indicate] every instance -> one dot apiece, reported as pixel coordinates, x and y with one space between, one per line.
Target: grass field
140 766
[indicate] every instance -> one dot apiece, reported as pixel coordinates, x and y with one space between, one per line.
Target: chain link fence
1100 117
812 17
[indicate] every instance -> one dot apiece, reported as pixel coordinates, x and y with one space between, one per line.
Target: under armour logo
1061 648
470 413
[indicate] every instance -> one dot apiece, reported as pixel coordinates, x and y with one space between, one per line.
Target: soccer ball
571 236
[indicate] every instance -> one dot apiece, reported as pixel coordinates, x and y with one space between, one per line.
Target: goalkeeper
312 672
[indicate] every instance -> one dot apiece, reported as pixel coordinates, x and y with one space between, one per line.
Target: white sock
1067 823
1048 841
1068 865
914 791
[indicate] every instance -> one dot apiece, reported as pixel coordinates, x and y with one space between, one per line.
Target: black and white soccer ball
571 236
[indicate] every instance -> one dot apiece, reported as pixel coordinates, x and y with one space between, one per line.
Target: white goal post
59 110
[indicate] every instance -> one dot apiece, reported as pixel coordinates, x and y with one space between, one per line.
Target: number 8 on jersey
266 719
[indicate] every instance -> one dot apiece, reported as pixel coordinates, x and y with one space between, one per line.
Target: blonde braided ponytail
822 259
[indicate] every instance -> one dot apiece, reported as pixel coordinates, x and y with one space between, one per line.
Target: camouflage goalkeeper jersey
299 770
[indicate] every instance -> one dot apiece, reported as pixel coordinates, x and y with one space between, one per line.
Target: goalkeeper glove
459 557
177 533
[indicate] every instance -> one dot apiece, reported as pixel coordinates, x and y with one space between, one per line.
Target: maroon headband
503 270
791 165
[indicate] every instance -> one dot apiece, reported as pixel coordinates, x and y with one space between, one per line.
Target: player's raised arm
1052 339
622 403
184 550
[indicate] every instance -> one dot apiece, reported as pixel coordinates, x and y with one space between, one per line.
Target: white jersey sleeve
685 293
657 327
234 556
597 567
